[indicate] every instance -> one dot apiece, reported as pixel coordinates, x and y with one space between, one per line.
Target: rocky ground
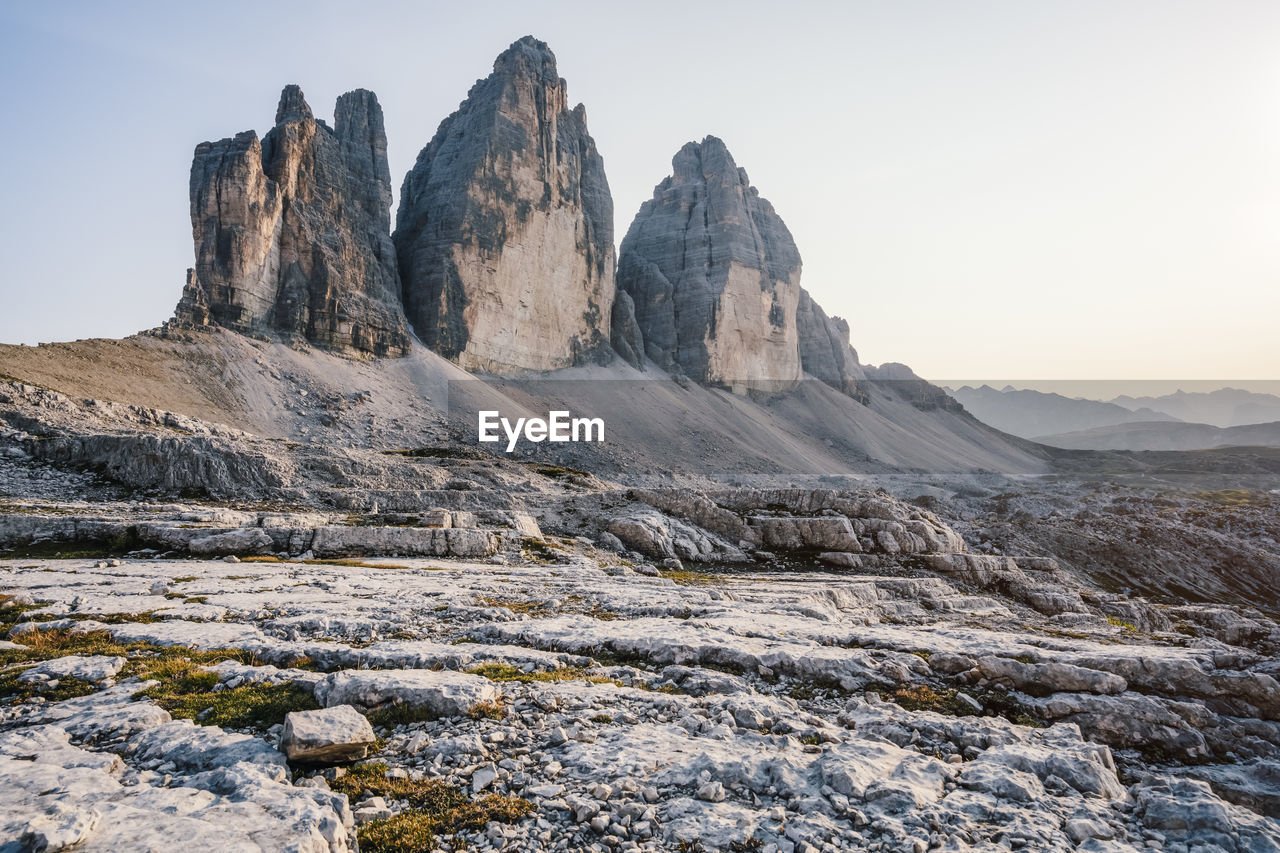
226 641
560 697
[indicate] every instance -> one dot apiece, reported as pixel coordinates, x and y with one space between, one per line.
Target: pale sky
1055 190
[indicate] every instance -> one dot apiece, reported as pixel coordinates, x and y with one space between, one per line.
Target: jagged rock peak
825 351
291 232
714 275
527 54
505 227
293 105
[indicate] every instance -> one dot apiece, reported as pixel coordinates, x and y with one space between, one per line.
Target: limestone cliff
714 274
291 232
505 226
825 351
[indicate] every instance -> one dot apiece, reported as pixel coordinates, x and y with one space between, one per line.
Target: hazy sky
991 189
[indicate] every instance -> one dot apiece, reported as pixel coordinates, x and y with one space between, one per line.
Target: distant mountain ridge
1027 413
1166 436
1225 407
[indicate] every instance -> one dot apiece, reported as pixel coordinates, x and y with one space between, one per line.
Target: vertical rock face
505 226
825 352
714 275
291 232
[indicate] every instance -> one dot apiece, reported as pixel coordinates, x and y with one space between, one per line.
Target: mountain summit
291 231
505 226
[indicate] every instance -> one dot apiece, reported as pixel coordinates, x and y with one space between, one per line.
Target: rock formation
505 226
714 274
825 352
291 232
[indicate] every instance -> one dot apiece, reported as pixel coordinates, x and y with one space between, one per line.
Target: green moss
186 691
11 614
1121 624
507 672
184 579
415 830
14 690
437 809
684 577
531 608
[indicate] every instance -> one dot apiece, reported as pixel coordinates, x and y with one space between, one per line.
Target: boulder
333 735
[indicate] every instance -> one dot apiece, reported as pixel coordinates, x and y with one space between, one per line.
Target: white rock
332 735
439 694
91 668
483 778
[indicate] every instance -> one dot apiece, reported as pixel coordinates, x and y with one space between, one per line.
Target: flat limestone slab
439 694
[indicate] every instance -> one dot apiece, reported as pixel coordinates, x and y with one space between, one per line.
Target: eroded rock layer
291 231
505 226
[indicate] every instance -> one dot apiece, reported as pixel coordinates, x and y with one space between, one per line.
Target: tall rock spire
505 227
714 276
291 232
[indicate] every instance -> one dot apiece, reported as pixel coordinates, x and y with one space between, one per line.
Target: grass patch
1230 497
437 809
493 709
531 608
557 472
1121 624
184 689
437 453
415 830
507 672
685 577
541 549
185 579
351 564
11 613
14 690
187 691
49 550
